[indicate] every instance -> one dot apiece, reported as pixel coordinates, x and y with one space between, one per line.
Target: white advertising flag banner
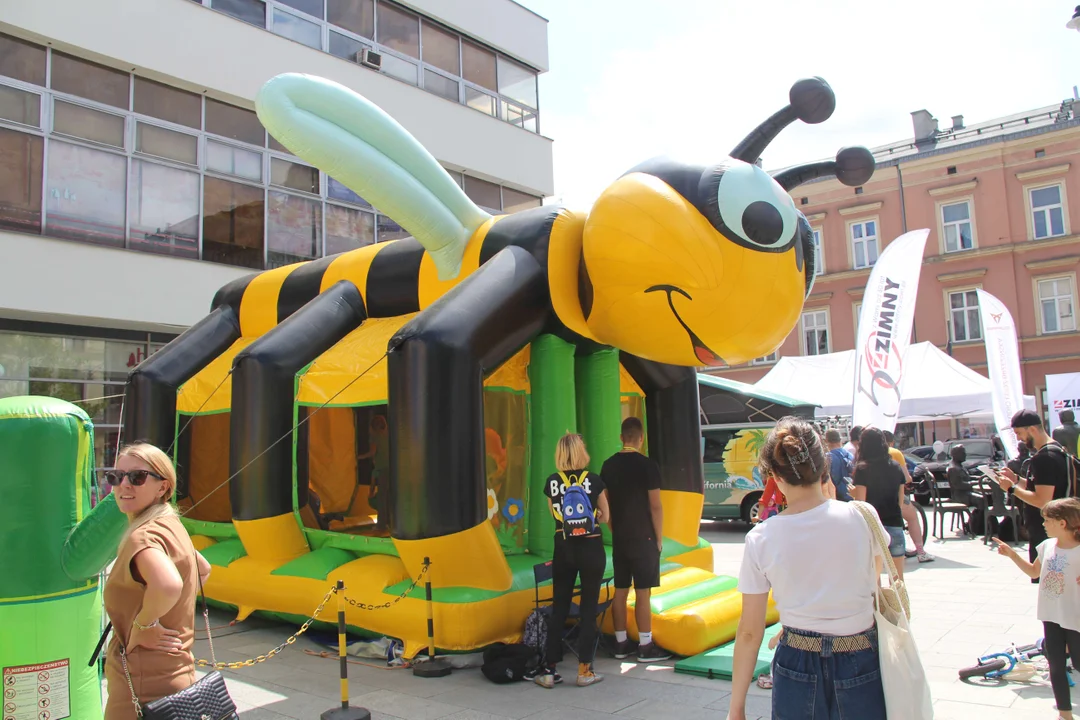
1003 366
888 312
1062 393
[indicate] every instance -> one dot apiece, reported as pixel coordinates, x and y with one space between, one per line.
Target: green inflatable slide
49 623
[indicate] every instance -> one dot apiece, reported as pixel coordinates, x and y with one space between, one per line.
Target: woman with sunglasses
151 590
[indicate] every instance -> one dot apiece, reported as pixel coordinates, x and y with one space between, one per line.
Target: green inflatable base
717 664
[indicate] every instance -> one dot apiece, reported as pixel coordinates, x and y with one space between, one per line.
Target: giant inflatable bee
675 266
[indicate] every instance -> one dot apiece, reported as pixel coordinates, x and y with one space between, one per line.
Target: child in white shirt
1058 569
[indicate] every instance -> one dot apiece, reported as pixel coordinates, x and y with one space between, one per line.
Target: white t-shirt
817 563
1059 585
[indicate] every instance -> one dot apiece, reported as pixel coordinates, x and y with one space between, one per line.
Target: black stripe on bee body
393 281
301 286
528 229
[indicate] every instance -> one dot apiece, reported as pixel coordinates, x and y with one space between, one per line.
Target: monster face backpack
578 515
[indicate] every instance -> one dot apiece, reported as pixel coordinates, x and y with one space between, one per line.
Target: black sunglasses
136 477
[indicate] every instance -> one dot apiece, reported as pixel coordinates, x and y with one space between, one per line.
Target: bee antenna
810 100
853 167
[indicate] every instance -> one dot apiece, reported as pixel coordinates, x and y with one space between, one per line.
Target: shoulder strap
878 539
100 645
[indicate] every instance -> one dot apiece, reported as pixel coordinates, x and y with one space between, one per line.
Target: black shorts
636 564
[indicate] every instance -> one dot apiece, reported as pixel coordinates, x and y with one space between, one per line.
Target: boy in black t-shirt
637 519
1048 476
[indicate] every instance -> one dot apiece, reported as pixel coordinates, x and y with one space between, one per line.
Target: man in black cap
1048 476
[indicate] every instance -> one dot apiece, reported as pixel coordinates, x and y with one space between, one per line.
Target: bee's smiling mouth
701 351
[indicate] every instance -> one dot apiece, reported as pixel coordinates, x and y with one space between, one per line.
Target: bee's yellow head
693 265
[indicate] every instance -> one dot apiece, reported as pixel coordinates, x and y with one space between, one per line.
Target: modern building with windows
136 179
995 196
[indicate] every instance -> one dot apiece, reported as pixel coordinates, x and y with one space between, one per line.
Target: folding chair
542 574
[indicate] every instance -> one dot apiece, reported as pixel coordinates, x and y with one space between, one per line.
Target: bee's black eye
748 207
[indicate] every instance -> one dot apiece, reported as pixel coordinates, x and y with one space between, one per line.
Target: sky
630 79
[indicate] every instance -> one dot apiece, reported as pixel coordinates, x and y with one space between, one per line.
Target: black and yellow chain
390 603
307 624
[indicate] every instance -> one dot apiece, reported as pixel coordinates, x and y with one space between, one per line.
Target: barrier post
344 712
431 667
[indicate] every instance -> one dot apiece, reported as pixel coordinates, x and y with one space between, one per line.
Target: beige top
154 674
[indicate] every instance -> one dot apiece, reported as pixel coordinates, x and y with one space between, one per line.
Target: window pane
972 298
973 324
857 231
479 65
959 327
401 69
440 85
20 106
294 175
90 80
250 11
954 213
1040 224
1057 222
22 60
398 30
167 103
441 49
233 161
517 82
345 47
293 27
294 229
860 255
82 122
956 300
478 100
20 181
965 236
950 237
871 251
86 190
170 144
483 193
390 230
163 215
232 223
514 200
348 229
871 229
311 7
1050 317
1046 196
337 191
356 16
233 122
513 114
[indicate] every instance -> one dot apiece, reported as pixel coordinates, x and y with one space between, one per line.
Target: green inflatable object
49 622
599 410
551 373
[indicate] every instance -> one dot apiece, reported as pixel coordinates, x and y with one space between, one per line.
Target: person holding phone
1048 477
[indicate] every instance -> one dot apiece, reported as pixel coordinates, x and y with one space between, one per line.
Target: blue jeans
827 685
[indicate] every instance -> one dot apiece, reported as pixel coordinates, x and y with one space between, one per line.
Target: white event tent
934 385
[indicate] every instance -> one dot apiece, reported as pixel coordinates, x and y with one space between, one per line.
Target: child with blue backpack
578 501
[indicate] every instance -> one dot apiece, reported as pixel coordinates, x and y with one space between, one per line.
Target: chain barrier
250 662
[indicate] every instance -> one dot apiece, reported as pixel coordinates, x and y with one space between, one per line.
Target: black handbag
207 699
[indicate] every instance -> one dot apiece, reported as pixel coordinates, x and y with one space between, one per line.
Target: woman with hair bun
817 558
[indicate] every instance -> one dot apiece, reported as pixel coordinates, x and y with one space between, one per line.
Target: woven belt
840 644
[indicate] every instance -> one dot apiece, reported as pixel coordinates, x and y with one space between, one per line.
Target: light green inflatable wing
351 139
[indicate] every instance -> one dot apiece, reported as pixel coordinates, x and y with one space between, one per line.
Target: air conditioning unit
369 58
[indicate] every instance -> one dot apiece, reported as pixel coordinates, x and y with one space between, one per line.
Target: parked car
980 451
923 452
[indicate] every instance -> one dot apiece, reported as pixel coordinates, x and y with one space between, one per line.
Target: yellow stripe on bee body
352 266
564 265
430 288
258 307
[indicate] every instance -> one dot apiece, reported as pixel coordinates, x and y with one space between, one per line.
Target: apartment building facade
135 178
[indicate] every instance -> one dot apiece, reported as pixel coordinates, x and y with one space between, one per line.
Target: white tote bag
907 692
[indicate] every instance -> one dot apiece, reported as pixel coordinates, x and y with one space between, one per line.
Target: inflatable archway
349 417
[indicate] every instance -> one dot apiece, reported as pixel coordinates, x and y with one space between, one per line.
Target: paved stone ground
971 601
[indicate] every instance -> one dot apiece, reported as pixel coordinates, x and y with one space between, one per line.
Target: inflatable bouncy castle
346 418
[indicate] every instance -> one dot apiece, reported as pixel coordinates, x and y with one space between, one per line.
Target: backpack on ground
536 631
578 514
508 663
